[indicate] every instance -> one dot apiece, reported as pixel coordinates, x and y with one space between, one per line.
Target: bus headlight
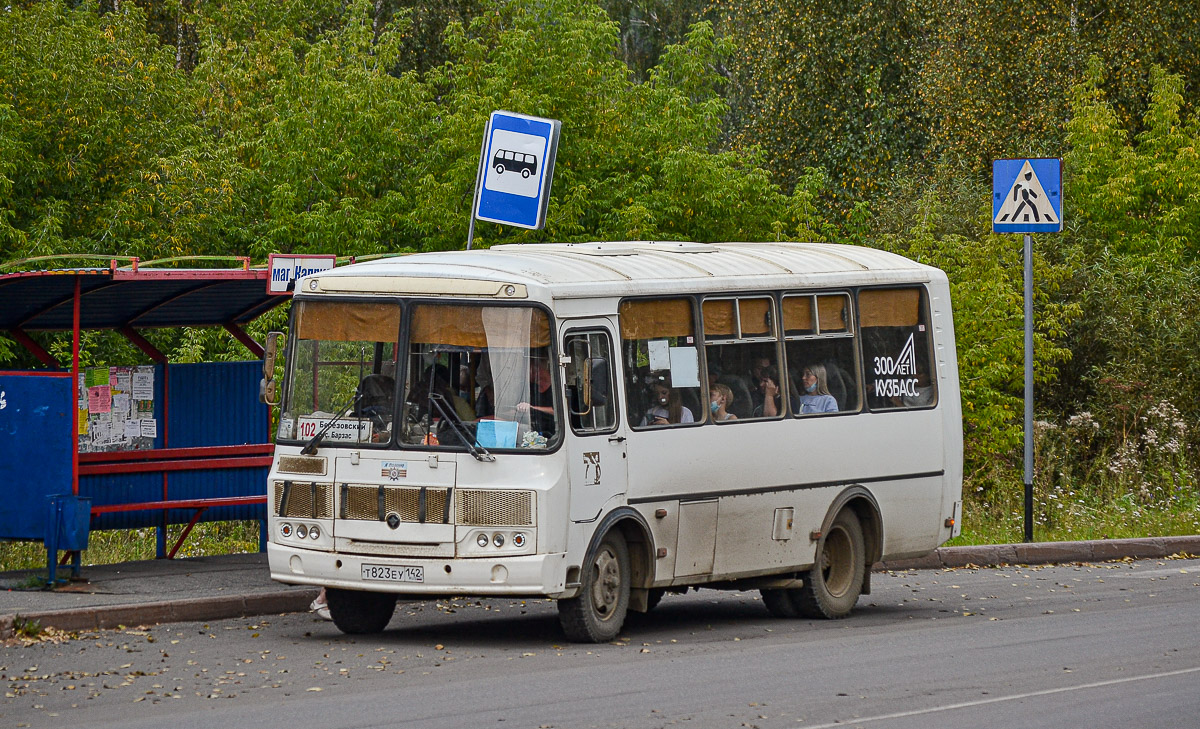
482 540
314 532
301 531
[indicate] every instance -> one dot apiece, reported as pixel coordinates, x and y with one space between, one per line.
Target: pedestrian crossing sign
1027 195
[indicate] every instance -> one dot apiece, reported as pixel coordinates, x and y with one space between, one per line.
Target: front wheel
355 612
598 612
834 583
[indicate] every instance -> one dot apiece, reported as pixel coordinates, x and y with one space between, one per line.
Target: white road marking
998 699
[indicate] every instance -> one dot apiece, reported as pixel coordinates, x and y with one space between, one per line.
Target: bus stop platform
151 591
239 585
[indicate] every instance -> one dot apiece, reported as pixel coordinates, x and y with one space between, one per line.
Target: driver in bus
540 406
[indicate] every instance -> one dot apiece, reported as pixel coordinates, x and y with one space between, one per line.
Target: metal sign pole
1028 388
478 182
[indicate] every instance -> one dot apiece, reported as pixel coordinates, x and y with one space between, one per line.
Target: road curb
103 617
994 555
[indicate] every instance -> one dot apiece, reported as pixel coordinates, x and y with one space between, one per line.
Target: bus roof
570 270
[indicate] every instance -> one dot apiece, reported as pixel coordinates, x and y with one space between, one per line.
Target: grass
128 545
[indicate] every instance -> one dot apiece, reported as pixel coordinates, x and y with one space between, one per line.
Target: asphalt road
1111 645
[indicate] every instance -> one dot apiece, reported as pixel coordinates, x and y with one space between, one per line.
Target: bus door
596 445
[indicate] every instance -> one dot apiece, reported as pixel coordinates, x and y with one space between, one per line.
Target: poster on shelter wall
116 409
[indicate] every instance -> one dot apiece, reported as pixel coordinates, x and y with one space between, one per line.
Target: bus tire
780 603
834 583
499 169
598 612
355 612
525 173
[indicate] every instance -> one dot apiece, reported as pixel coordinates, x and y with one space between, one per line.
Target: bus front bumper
537 574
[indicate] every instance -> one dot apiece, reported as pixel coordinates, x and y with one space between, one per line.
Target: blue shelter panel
215 403
35 449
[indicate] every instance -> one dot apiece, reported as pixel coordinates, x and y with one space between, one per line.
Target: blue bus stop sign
1027 195
517 166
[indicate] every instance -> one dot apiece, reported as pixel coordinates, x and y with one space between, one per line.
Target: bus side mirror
581 367
268 390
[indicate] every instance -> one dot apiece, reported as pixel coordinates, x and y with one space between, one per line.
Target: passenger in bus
667 407
540 406
440 384
772 394
485 395
816 397
758 365
720 398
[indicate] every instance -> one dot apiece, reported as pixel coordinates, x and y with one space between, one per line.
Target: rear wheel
598 612
357 612
834 583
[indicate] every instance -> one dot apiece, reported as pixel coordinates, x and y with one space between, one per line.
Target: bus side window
819 330
896 348
590 387
741 350
662 363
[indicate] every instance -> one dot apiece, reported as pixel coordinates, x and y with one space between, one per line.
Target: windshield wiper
310 448
451 417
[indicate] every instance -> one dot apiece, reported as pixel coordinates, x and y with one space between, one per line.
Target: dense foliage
352 126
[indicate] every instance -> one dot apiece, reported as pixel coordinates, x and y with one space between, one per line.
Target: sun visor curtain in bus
349 321
889 307
472 326
753 315
655 319
797 315
831 313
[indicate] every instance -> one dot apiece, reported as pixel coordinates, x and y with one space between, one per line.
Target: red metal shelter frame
125 299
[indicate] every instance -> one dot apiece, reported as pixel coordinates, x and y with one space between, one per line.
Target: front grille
302 499
304 465
475 507
362 503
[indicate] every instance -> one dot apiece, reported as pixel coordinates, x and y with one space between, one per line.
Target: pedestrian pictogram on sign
1027 196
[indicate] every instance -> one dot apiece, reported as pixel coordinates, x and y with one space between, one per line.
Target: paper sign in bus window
496 434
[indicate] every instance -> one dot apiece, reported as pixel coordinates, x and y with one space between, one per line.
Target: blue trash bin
68 522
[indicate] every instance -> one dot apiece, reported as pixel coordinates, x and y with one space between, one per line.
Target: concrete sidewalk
239 585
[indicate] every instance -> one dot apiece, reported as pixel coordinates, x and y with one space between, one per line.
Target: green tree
829 85
97 101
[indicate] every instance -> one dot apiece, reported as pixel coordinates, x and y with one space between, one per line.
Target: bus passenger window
896 348
742 356
662 363
819 330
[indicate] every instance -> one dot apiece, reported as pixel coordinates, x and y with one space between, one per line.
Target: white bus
603 423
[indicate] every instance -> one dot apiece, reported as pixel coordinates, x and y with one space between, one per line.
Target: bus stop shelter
202 442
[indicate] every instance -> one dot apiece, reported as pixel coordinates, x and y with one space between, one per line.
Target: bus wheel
525 173
835 581
780 603
499 169
356 612
598 612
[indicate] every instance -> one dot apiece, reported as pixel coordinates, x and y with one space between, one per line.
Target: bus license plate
388 573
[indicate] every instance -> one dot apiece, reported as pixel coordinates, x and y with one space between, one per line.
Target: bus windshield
341 373
482 373
472 375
